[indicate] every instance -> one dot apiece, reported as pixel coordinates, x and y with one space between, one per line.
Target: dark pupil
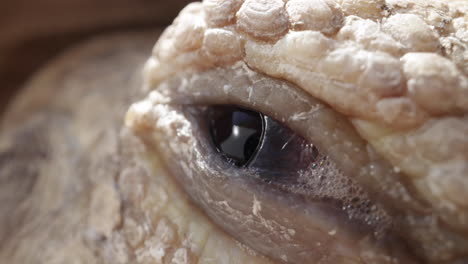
236 132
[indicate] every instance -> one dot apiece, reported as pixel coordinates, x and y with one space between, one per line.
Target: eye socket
280 195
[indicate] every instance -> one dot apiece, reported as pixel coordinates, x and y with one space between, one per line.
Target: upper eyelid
237 85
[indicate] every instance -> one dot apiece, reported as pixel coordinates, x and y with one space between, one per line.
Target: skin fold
100 163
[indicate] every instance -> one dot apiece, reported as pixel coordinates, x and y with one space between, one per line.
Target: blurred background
32 32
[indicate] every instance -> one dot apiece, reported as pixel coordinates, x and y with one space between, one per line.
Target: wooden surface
32 32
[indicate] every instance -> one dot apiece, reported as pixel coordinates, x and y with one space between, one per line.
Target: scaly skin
397 70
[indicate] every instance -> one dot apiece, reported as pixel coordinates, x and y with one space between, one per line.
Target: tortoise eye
247 138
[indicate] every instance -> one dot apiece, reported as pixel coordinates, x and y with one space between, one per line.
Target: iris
236 133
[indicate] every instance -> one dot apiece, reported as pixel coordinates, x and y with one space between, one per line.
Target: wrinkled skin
93 166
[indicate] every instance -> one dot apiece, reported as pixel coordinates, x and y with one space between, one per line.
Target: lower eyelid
258 215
